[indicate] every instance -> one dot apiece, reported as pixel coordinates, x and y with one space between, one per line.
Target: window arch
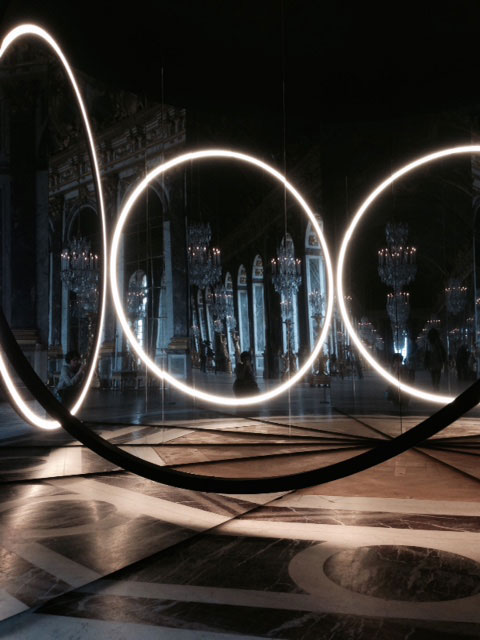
242 296
258 313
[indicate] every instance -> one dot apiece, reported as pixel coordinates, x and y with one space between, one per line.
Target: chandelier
367 331
196 330
79 272
231 322
397 262
230 311
316 300
286 306
204 266
456 296
222 306
398 309
220 302
137 295
286 269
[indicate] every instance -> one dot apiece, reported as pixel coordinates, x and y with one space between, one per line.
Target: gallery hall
239 320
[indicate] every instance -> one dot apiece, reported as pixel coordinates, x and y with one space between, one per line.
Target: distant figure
245 383
358 366
210 354
472 366
333 364
401 373
411 361
203 357
462 363
71 378
435 357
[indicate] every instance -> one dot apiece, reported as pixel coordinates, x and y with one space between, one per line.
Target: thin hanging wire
395 288
283 38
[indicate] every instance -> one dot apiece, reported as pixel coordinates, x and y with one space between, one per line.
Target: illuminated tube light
154 368
27 413
423 395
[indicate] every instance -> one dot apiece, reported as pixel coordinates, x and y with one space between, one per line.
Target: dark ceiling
337 60
277 76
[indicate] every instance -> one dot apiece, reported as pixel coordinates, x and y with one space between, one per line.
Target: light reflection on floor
89 550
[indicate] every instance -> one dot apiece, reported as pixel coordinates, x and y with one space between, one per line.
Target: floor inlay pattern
119 556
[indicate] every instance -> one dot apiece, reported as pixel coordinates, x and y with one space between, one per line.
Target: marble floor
90 551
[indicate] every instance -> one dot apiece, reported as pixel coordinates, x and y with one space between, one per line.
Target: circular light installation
21 405
385 450
154 368
454 151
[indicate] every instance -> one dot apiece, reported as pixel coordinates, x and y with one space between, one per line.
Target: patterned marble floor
89 551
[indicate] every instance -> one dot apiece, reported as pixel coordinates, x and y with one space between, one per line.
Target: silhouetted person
203 357
210 354
435 357
245 383
462 362
401 373
71 378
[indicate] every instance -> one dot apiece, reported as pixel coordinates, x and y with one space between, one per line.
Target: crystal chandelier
196 330
223 310
231 322
286 280
456 296
398 309
316 300
432 323
286 269
204 266
137 296
220 302
79 272
218 325
367 331
397 262
286 306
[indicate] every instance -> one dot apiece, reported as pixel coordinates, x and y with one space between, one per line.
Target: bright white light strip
201 395
432 397
30 416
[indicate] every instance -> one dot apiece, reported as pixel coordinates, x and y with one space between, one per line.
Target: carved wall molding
126 144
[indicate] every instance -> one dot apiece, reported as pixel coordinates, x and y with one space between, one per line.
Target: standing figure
210 355
435 357
245 383
401 373
203 357
461 362
71 378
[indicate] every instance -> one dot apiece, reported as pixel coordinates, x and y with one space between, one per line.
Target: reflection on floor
88 550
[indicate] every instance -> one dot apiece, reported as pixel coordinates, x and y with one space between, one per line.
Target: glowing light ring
423 395
24 409
154 368
116 455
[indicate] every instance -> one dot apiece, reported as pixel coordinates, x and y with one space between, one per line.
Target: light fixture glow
29 415
154 368
423 395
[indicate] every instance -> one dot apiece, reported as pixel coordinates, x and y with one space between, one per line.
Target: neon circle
423 395
201 395
24 409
